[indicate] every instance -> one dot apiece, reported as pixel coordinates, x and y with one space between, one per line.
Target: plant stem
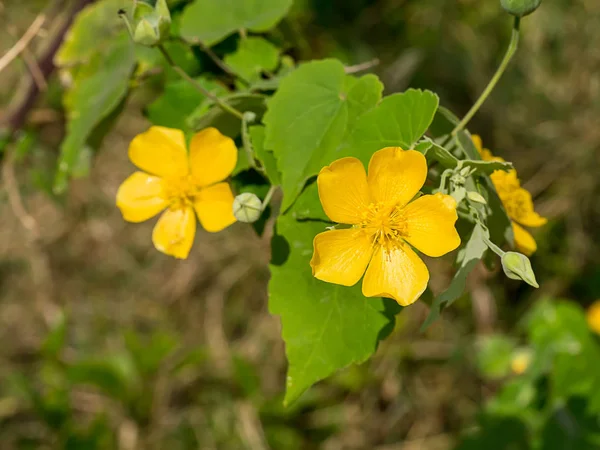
219 62
510 51
267 199
183 74
248 117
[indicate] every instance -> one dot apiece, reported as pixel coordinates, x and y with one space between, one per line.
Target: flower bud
247 207
518 267
476 197
149 25
520 8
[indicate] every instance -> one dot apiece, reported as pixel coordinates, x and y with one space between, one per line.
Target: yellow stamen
180 191
385 223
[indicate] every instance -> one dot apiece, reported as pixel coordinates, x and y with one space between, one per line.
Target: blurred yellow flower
593 317
516 200
520 361
383 224
181 183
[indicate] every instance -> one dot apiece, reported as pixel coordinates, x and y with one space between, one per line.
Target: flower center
180 191
385 223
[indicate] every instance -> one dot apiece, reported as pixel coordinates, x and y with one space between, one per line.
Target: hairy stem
510 51
183 74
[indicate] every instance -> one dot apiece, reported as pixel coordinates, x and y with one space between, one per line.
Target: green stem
267 199
219 62
510 51
248 117
183 74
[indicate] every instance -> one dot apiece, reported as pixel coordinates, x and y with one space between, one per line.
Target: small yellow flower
593 317
181 183
383 224
516 200
520 361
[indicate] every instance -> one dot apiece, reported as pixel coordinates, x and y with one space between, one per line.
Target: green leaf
442 155
398 121
254 56
494 355
487 167
308 117
325 326
266 157
472 253
179 100
222 120
308 206
94 30
211 21
115 375
98 88
497 433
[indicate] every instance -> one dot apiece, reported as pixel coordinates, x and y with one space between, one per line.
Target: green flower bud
520 8
149 25
518 267
247 207
476 197
146 34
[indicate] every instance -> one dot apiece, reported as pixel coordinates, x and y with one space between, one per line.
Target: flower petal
396 272
140 197
520 208
477 142
396 175
214 206
341 256
174 232
524 240
212 156
430 223
343 190
160 151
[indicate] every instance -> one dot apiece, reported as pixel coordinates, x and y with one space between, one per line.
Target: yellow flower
516 200
520 361
593 317
383 224
181 183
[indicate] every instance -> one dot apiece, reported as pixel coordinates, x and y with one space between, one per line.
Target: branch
22 43
16 119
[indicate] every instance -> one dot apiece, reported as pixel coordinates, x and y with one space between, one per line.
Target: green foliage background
118 346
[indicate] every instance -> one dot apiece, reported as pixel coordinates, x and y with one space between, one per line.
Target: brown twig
362 66
18 115
34 70
22 43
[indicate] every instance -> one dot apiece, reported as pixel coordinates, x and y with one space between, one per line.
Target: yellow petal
343 190
430 223
396 272
477 142
214 206
396 175
519 207
593 317
524 240
140 197
212 156
174 232
341 256
160 151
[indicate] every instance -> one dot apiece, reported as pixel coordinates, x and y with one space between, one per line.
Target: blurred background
106 343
